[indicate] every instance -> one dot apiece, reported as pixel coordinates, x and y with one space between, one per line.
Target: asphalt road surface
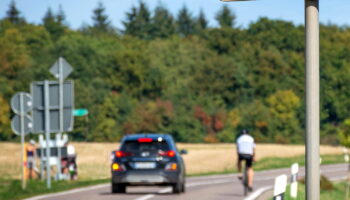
218 187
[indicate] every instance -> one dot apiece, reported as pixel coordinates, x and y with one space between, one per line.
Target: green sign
80 112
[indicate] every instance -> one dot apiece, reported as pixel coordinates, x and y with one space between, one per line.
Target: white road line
69 192
149 196
258 192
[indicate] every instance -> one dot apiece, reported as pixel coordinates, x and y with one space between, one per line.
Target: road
218 187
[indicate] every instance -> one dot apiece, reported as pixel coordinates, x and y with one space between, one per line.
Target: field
94 158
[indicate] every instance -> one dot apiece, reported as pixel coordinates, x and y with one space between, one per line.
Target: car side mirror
183 151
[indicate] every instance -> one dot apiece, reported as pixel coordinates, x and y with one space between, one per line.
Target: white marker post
280 187
294 181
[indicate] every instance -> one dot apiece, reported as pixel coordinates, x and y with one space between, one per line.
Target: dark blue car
148 159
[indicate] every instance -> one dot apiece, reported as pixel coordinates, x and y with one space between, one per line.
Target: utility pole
312 86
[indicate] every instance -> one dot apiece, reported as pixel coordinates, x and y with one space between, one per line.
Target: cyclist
246 151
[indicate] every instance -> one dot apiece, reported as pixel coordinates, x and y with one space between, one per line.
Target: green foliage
4 120
283 108
179 76
344 133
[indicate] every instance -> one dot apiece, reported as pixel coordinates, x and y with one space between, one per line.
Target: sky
79 12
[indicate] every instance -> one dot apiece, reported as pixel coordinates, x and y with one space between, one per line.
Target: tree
54 24
163 24
61 16
185 22
344 133
5 132
13 14
14 55
101 22
225 17
138 22
283 107
202 22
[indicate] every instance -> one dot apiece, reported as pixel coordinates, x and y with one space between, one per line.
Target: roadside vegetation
173 73
11 189
331 191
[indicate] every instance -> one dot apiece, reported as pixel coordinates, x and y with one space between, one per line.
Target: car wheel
177 188
118 188
183 188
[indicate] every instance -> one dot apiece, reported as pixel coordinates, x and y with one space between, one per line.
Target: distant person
30 151
69 164
246 151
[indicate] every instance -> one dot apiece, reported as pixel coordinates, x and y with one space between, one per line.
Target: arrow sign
61 68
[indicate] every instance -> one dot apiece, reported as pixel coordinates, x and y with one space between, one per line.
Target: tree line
177 75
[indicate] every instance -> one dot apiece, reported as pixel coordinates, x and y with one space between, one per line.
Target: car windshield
135 146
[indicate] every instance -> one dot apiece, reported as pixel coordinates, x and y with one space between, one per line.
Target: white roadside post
280 187
294 181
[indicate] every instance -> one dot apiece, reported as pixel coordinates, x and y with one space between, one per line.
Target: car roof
146 135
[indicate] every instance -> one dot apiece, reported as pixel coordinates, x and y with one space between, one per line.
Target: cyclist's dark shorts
247 157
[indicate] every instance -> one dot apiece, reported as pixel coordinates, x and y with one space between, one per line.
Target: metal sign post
24 185
47 132
61 69
21 124
53 105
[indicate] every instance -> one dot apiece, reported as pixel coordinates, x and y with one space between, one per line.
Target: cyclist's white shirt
245 144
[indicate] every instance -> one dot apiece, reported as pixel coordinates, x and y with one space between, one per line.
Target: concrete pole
47 133
60 72
312 81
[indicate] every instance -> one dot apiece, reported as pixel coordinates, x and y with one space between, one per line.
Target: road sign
61 68
80 112
53 106
21 123
16 124
16 103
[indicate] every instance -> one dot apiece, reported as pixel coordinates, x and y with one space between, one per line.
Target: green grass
12 190
337 193
37 187
275 163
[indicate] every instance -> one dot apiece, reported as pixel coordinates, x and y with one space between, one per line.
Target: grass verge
11 189
275 163
338 192
37 187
